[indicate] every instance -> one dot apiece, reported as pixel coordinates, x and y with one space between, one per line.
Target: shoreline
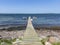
23 27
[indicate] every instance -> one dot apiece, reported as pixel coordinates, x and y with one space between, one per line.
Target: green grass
44 40
56 43
9 42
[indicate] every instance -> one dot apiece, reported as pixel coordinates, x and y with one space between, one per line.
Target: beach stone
17 42
52 39
48 43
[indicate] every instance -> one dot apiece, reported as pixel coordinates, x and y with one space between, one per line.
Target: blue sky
29 6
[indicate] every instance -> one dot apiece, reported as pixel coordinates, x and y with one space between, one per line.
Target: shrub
7 42
44 40
13 40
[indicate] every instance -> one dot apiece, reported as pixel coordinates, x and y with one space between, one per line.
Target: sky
29 6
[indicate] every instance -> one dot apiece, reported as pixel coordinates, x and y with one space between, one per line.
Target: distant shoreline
23 27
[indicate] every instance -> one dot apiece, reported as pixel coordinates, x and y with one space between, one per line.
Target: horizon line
29 13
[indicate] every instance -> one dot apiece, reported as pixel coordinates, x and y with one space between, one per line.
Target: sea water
42 19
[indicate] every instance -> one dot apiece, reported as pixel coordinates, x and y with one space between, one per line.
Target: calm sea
43 19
